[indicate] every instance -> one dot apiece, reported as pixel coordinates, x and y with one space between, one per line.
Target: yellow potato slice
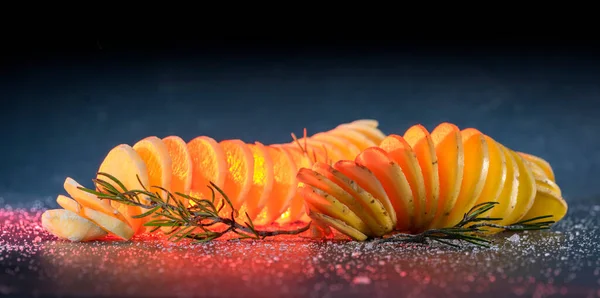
372 133
368 122
508 197
541 179
401 152
393 180
547 202
420 141
451 160
477 162
106 222
339 226
330 206
367 180
354 137
89 200
542 163
262 181
240 162
496 175
66 224
526 192
332 153
126 165
209 164
348 149
181 170
354 197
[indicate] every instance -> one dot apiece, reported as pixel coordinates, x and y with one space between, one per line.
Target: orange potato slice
348 149
541 179
155 155
451 160
330 206
296 209
89 200
66 224
240 163
332 153
181 167
372 133
393 180
401 153
476 166
284 185
324 220
126 165
420 141
496 175
508 197
526 192
542 163
209 164
367 180
106 222
262 181
354 137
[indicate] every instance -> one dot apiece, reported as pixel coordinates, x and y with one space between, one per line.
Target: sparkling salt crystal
514 238
361 280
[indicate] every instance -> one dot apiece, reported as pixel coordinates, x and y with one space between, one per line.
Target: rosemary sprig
194 222
471 228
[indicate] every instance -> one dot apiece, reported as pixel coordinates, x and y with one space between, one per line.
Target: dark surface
563 262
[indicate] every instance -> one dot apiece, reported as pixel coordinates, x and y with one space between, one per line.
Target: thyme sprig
471 228
195 222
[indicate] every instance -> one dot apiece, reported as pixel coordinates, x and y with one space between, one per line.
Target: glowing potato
181 167
262 181
209 164
240 164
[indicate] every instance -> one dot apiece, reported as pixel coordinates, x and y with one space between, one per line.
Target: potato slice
240 163
542 163
508 197
393 180
526 192
181 167
89 200
284 185
262 181
370 132
496 175
348 149
367 180
356 198
339 226
401 152
209 164
547 202
330 206
451 160
106 222
420 141
125 164
368 122
296 209
66 224
354 137
477 163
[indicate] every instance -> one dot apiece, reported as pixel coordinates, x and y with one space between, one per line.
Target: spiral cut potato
259 179
422 181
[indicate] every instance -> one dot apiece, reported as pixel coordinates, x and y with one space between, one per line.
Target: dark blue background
62 112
